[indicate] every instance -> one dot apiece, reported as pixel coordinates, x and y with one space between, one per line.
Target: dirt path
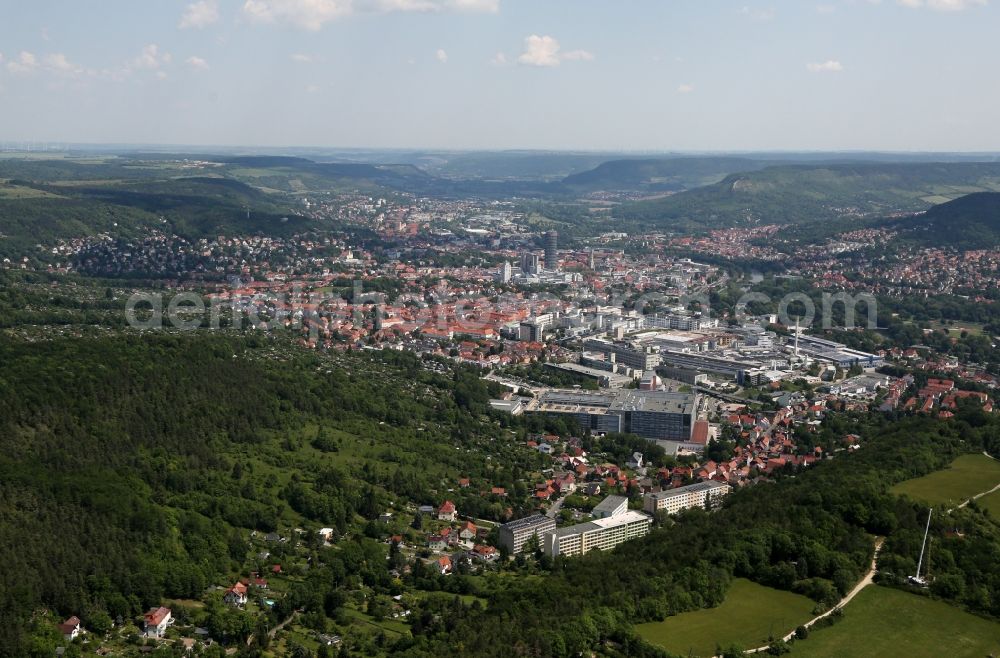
984 493
865 581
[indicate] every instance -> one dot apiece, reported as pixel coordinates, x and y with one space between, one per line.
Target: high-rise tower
551 245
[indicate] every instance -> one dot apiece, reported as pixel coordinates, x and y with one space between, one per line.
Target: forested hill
133 469
660 174
969 222
39 212
801 194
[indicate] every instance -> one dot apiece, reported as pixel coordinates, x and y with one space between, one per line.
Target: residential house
156 621
236 595
487 553
468 531
447 511
71 628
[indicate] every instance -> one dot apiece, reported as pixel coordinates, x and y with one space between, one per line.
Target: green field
887 622
967 476
992 504
8 191
956 329
750 614
390 626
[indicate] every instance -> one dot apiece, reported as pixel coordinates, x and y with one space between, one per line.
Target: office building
731 365
533 329
551 255
634 355
836 353
685 375
530 263
515 534
603 534
681 322
650 414
700 494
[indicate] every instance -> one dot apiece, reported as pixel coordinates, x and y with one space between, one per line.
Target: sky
619 75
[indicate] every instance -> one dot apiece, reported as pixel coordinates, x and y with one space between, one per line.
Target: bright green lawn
888 623
967 476
750 614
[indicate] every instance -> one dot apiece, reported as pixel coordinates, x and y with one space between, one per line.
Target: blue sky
643 75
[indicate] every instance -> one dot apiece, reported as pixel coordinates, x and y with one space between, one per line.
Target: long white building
672 501
603 534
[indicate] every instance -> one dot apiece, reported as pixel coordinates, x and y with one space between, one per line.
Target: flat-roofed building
672 501
732 365
837 353
515 534
682 322
600 534
634 355
610 506
650 414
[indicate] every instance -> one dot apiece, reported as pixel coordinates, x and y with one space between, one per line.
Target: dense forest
130 464
133 467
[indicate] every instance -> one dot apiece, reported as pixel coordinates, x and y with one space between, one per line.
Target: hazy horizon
486 75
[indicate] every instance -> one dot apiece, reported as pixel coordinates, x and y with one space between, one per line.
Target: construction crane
916 579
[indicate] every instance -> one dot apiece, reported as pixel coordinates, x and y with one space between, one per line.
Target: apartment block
515 534
699 494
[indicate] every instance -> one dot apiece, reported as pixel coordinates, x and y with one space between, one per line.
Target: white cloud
312 89
499 59
685 89
826 9
199 15
61 64
758 14
829 66
470 6
441 56
487 6
314 14
306 14
942 5
545 51
540 51
150 58
401 5
25 62
302 58
578 56
196 62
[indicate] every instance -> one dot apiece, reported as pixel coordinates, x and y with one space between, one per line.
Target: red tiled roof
156 616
